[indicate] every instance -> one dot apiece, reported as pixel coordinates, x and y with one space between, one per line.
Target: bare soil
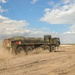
39 62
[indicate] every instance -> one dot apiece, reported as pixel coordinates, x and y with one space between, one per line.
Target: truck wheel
47 47
52 48
20 50
28 49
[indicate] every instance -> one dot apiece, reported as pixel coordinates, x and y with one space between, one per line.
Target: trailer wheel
20 50
28 49
52 48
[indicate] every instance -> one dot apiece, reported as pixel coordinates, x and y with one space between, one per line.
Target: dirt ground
40 62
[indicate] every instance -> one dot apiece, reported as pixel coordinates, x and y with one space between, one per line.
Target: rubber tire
52 48
19 50
47 47
27 49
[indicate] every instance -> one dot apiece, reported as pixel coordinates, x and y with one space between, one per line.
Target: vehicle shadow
60 51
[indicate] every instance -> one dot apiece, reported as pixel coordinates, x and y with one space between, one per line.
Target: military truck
18 44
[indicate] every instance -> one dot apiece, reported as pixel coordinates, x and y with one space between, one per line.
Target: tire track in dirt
56 63
34 64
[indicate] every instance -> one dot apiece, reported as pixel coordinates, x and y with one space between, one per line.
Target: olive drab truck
19 43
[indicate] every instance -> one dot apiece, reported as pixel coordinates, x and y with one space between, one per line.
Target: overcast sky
38 17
